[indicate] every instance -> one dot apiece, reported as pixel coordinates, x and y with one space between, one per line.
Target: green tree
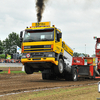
2 56
94 55
76 54
10 44
1 47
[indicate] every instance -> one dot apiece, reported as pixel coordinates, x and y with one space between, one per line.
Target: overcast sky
79 20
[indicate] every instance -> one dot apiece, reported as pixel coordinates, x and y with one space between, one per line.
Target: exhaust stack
40 6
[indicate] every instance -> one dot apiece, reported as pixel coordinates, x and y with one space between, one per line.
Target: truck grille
40 54
37 48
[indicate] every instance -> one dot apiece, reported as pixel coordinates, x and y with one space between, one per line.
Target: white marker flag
18 49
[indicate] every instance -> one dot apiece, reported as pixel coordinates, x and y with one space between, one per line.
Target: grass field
68 93
73 93
14 72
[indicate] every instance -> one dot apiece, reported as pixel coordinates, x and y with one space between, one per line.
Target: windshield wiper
46 39
29 40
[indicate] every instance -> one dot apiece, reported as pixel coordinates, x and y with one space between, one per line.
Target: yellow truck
43 50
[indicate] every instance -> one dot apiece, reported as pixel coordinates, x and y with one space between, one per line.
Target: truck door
58 41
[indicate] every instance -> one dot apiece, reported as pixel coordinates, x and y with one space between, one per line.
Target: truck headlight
23 55
49 54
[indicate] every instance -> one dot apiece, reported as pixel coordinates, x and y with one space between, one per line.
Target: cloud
78 19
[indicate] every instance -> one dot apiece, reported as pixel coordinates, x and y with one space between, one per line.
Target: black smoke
40 6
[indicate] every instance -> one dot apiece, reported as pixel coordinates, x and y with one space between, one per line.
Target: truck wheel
74 75
60 68
48 76
28 70
67 77
44 76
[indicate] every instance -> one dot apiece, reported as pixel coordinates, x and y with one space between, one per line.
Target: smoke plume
40 6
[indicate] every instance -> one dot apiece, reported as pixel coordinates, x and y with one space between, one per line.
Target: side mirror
21 34
21 39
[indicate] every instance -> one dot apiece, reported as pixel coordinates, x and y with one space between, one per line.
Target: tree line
9 45
76 54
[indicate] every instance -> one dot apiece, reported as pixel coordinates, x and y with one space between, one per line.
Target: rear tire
44 76
28 69
67 77
74 74
48 76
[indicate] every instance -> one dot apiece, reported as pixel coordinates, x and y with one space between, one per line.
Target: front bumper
39 60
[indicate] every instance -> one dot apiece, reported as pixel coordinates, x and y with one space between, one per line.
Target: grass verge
73 93
14 72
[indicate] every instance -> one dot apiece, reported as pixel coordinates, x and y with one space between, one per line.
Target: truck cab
43 50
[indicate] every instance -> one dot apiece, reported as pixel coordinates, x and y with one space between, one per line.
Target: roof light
53 25
41 24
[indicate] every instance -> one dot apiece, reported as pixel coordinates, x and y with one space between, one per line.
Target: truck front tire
60 68
28 69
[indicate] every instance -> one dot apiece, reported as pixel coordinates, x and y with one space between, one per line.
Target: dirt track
12 83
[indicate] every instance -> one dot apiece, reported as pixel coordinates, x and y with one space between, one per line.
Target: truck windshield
38 35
